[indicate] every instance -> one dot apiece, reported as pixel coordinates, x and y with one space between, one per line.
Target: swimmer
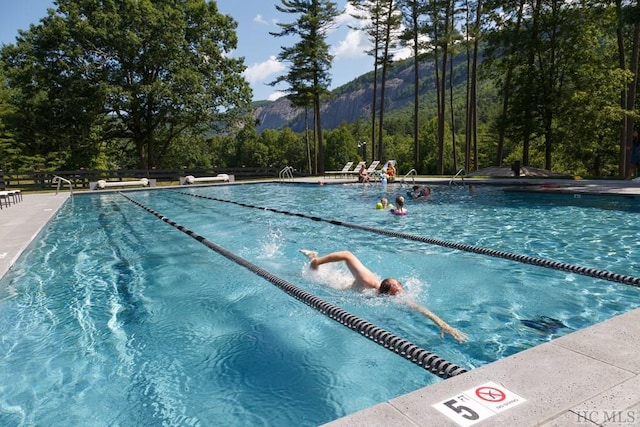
399 209
366 279
384 204
420 192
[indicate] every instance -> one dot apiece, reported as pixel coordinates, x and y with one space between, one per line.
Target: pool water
113 317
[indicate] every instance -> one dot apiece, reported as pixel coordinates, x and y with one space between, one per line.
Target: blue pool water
114 317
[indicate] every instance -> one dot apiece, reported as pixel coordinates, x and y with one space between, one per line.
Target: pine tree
309 59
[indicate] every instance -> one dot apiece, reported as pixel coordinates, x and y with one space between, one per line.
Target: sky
255 18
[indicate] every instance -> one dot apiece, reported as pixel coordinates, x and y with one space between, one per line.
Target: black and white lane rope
540 262
415 354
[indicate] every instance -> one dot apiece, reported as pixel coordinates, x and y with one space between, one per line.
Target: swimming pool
115 317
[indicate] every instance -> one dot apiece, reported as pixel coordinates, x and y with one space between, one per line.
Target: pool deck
587 378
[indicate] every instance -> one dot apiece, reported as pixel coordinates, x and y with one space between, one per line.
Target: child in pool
384 204
399 209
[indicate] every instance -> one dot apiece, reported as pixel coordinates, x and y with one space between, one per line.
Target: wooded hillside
142 84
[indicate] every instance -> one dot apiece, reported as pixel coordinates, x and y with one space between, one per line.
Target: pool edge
22 222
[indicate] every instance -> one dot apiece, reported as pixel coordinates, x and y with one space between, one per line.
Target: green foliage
152 73
342 147
142 83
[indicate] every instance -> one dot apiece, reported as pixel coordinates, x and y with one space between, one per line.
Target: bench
102 184
221 177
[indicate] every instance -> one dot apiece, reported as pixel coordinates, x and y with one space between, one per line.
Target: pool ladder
59 180
412 173
286 173
460 174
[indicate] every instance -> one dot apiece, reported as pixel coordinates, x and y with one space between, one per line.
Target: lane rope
405 348
525 259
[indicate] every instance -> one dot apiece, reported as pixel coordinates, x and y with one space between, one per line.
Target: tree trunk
385 64
373 107
316 107
441 79
416 94
623 164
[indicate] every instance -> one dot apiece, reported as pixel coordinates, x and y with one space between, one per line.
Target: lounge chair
371 170
344 170
356 170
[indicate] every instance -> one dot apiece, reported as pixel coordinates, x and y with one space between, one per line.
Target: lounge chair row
7 197
371 171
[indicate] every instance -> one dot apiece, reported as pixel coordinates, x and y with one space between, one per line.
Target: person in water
399 209
420 192
384 204
366 279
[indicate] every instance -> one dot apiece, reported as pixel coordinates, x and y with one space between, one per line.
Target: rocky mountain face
349 102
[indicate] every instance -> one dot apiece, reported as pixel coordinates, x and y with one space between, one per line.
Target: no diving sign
479 403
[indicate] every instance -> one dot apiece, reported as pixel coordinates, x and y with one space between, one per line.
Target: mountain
351 101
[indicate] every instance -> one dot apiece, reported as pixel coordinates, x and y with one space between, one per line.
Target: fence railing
80 179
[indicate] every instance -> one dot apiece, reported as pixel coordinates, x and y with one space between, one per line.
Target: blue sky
256 18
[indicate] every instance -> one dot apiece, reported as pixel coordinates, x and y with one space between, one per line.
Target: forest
149 84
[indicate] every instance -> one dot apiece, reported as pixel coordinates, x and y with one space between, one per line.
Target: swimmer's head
390 286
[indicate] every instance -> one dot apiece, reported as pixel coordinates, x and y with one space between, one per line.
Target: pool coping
589 377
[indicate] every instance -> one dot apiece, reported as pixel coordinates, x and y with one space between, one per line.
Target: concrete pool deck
587 378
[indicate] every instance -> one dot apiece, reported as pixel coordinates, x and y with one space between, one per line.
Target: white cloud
276 95
346 18
262 71
354 42
259 19
403 53
354 45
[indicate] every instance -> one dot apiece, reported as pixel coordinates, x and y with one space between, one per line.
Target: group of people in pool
418 192
365 279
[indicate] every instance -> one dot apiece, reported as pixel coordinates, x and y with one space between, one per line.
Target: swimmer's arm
444 326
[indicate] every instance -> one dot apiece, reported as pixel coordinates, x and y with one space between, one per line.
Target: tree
309 59
439 32
10 153
628 16
502 50
142 71
473 41
389 25
371 14
412 11
341 147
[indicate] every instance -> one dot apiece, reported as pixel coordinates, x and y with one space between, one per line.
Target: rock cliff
349 102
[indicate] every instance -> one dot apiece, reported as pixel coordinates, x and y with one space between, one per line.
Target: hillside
351 101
